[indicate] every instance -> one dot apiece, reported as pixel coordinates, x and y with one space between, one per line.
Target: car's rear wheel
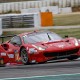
72 57
24 56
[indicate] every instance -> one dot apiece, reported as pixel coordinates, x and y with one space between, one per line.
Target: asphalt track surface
58 68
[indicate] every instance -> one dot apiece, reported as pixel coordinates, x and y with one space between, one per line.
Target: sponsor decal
11 55
17 57
61 46
15 51
3 54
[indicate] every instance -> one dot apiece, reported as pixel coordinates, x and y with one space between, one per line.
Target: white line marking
40 76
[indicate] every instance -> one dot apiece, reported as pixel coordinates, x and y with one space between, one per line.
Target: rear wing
3 37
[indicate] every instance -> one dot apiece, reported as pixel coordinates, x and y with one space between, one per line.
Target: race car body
79 49
3 56
40 46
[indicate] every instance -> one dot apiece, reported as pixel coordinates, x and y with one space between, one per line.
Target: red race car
39 47
79 49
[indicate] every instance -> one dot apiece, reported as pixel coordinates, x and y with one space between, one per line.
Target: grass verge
67 19
74 32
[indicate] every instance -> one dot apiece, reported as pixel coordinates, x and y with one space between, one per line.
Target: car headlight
76 43
38 47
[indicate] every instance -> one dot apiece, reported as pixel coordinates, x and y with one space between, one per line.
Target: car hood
57 45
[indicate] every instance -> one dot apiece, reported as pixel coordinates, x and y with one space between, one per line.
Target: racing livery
39 47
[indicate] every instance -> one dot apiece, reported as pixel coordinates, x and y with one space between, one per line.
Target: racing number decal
17 57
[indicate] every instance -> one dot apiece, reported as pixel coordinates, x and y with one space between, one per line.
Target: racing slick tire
72 57
24 56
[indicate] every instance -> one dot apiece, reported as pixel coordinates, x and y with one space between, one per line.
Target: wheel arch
21 49
24 48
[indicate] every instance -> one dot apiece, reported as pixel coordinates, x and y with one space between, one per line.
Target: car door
14 47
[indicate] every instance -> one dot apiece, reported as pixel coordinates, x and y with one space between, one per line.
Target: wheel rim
24 56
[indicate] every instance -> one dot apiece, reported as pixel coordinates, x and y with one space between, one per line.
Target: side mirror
14 43
66 36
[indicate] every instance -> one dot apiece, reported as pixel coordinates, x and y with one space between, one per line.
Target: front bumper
62 53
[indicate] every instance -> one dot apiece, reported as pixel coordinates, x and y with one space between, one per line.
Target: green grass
67 19
69 32
62 32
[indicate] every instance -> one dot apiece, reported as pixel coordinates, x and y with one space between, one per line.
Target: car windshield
41 37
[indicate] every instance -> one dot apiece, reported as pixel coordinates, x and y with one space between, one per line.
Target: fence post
0 26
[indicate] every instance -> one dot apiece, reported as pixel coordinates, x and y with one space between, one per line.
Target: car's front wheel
24 56
72 57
